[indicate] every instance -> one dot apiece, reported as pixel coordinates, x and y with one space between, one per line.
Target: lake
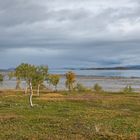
110 80
106 73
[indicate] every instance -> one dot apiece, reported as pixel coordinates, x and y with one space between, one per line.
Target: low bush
97 88
1 78
128 89
81 88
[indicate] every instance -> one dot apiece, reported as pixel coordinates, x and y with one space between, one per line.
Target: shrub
128 89
1 78
97 88
54 80
80 88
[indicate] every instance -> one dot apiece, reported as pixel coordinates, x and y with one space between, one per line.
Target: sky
70 33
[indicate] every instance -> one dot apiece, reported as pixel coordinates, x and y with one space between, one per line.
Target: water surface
110 80
106 73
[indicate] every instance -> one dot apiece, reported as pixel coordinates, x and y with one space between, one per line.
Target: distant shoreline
102 77
106 68
121 72
133 67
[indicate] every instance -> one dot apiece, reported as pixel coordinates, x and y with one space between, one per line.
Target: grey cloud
16 12
83 32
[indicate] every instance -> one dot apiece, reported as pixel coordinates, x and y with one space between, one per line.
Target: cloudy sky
70 33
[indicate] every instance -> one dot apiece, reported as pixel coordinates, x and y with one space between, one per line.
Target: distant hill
7 70
136 67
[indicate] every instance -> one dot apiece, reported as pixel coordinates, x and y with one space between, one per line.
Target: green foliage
40 75
1 78
128 89
54 80
70 80
31 73
34 76
26 72
43 70
97 88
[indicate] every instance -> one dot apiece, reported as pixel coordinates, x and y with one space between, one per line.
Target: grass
74 116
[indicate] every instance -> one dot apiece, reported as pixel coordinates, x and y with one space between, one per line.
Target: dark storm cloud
62 32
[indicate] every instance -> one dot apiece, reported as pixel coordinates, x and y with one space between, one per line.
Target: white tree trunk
31 95
38 90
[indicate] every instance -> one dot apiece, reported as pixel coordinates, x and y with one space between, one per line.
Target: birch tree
54 80
40 76
27 72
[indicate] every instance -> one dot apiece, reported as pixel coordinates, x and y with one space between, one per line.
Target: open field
70 116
